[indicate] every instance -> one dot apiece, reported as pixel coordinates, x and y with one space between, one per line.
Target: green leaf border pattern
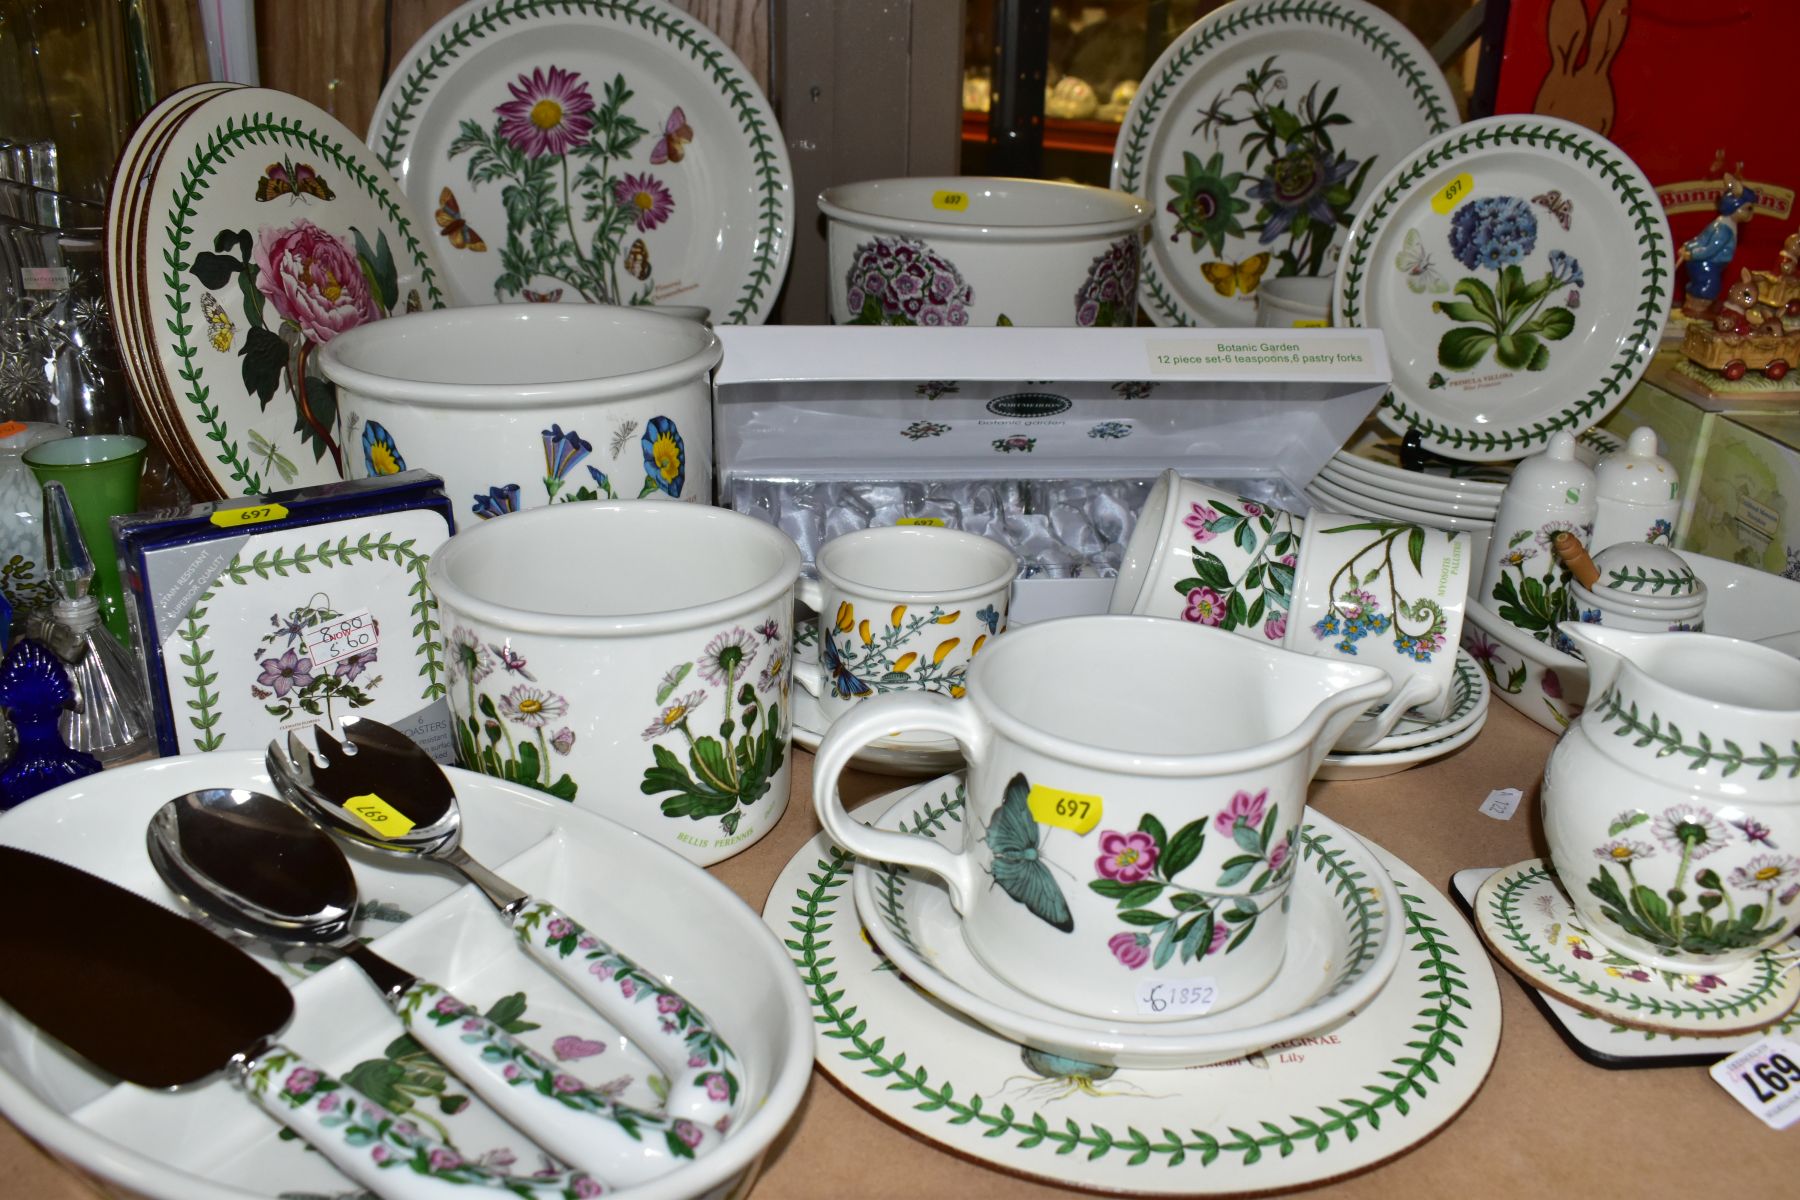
1678 582
1134 140
1639 205
1503 905
1703 751
278 563
396 118
1438 1039
221 144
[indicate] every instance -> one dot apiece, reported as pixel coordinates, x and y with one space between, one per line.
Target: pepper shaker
1525 583
1637 495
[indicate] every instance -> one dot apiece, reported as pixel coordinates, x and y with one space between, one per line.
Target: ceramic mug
903 608
1205 556
1124 836
634 659
1385 592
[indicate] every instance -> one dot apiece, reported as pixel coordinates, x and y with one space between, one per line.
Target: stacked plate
1415 742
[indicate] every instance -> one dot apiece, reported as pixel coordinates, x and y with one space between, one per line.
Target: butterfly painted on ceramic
1414 263
549 297
450 220
511 659
1018 866
1230 278
219 327
1574 300
288 178
989 616
1560 207
271 455
843 681
413 302
637 259
672 145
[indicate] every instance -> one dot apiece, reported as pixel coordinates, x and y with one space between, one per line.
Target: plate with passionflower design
1520 269
607 151
1255 138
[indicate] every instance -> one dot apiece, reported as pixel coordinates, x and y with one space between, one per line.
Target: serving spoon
255 864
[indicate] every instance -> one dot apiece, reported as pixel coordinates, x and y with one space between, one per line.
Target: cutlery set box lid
814 426
230 602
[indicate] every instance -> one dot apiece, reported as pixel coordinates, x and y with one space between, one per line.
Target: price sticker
256 514
1501 804
1452 194
950 201
1173 998
8 428
1065 810
1312 324
378 815
1765 1078
937 522
342 637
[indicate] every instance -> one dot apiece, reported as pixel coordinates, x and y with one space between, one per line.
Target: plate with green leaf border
1368 1091
1529 924
1254 139
612 151
1520 269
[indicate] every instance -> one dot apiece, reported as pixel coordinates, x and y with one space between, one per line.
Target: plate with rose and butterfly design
608 151
1254 139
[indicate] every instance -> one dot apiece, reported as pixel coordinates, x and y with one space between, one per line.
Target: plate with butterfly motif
609 151
1342 946
1520 269
1255 138
267 229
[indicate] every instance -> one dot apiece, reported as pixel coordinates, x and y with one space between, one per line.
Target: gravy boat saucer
1342 945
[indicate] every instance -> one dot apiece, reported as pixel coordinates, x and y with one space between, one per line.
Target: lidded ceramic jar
1637 494
1548 492
1642 587
1671 806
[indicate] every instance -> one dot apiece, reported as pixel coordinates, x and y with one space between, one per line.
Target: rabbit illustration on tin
1578 87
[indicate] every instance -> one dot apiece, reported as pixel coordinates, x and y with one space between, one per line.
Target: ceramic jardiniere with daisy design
634 659
1672 807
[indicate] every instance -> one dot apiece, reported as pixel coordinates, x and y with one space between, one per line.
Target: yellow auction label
1312 324
950 201
231 518
937 521
1065 810
378 815
1452 194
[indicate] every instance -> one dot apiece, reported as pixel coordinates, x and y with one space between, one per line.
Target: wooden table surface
1546 1122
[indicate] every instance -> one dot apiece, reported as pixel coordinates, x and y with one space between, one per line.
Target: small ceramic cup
1294 302
903 608
634 659
1123 832
1205 556
1385 592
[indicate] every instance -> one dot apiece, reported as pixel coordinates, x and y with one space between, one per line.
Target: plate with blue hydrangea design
1519 268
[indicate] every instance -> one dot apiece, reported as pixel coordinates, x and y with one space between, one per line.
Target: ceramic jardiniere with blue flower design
1127 837
1672 807
524 405
633 659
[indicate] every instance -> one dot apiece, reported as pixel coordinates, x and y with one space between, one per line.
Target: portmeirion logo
1029 404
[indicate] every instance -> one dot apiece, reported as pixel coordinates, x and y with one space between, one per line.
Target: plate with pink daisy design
608 151
1342 946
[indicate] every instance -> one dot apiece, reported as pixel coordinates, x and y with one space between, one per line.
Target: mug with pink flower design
1121 837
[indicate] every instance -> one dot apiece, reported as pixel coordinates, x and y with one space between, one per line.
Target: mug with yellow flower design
903 608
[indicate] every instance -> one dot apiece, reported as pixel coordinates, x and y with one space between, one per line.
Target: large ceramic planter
518 406
632 659
982 251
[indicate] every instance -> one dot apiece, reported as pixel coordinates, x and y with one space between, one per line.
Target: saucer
1371 764
913 753
1468 701
1530 926
1342 946
1307 1112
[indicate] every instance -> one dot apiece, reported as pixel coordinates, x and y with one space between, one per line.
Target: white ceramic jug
1672 807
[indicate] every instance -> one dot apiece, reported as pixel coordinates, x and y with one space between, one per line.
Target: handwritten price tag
950 201
1452 194
1065 810
1170 998
342 637
938 522
1765 1078
1501 804
378 815
258 514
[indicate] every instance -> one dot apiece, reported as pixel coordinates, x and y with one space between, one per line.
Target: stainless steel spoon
257 865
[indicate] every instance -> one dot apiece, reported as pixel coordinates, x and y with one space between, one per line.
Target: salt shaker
1637 495
1524 582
